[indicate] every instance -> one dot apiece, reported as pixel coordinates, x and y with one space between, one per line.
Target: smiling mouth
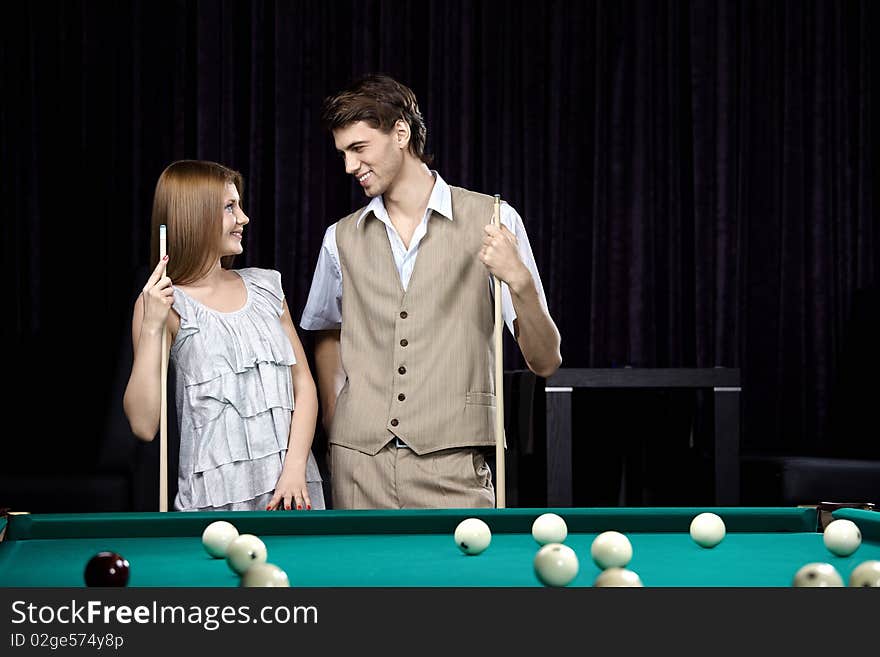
362 179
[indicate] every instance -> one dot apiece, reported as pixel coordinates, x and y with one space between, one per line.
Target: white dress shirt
323 309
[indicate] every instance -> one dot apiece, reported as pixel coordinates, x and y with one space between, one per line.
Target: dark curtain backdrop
696 177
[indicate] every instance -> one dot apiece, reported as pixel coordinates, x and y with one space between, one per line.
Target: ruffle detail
249 393
268 285
237 392
236 482
230 437
233 483
238 340
260 502
183 306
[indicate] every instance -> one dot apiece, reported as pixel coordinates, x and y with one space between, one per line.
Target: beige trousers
398 478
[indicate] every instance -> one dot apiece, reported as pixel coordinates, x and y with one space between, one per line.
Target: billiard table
764 547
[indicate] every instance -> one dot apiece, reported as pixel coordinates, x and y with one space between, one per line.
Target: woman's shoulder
266 282
259 274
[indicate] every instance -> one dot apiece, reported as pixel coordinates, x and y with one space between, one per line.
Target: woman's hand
291 490
158 295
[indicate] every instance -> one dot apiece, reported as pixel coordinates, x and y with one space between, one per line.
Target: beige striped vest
419 363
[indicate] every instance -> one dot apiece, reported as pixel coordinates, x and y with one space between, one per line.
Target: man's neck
407 199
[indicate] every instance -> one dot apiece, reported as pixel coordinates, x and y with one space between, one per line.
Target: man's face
373 157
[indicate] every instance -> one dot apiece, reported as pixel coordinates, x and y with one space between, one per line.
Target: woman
238 360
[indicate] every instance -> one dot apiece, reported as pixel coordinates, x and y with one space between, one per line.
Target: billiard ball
617 577
707 530
611 550
245 551
472 536
866 573
107 569
549 528
842 537
265 575
217 537
556 565
816 575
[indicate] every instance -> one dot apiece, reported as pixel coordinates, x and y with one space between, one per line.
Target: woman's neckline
247 300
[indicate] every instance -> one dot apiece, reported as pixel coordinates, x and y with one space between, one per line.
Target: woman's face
234 220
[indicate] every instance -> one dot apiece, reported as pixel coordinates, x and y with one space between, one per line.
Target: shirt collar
440 202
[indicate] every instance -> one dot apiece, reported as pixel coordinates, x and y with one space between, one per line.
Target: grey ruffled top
234 396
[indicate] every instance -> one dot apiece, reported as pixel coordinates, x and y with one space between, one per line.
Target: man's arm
323 314
534 329
331 376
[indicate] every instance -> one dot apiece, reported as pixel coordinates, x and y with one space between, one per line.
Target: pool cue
163 410
499 379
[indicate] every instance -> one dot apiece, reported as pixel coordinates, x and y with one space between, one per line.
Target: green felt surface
763 547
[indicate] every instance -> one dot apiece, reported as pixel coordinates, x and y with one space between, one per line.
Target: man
402 295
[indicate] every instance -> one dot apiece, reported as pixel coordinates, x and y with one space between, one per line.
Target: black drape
696 177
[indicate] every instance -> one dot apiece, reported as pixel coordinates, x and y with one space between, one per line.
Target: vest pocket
480 399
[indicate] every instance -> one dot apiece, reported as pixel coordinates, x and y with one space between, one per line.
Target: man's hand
500 255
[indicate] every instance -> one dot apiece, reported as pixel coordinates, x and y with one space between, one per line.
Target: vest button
403 314
401 397
404 342
394 422
401 370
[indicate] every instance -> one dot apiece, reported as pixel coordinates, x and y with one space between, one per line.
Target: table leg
727 412
559 447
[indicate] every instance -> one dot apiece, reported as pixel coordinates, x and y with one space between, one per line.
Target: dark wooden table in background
724 382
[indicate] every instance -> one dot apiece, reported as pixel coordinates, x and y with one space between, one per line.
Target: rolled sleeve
323 309
513 222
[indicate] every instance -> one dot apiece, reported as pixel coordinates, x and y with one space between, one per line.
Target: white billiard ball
611 550
617 577
472 536
707 530
217 537
866 573
245 551
842 537
816 575
265 575
556 565
549 528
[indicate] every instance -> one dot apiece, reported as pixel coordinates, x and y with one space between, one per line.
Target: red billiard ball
107 569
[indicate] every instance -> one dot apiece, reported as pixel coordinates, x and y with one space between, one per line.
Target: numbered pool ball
107 569
472 536
556 565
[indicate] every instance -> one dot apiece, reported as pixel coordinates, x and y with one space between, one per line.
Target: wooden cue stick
163 410
500 500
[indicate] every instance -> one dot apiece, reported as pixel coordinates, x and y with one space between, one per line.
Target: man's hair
379 101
